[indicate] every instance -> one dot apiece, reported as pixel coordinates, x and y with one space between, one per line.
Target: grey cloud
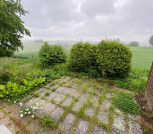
90 19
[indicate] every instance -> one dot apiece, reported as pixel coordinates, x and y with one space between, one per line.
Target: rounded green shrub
51 55
82 57
113 59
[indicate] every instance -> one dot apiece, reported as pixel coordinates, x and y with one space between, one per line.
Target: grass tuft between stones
125 103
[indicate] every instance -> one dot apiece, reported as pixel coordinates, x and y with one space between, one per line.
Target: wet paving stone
99 130
67 123
82 127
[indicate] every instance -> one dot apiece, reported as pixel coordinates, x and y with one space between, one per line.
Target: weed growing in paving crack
47 122
46 94
53 101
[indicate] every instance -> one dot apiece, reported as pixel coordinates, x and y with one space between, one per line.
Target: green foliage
11 25
82 57
151 40
47 122
51 55
125 103
134 44
136 81
13 91
114 59
5 76
5 52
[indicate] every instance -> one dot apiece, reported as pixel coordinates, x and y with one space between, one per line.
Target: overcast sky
89 20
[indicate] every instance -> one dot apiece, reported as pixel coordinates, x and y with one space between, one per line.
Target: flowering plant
28 110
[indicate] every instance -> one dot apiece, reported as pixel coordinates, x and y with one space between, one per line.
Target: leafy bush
5 52
82 57
5 76
125 103
51 55
13 91
113 59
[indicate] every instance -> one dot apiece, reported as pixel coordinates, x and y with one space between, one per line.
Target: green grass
142 57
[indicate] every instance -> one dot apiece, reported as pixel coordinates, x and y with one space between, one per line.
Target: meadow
142 56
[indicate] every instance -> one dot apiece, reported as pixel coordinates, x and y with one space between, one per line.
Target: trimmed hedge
51 55
113 59
82 57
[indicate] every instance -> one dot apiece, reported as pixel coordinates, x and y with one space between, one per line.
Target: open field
142 56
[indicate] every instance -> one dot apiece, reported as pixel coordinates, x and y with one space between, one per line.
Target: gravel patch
82 127
67 123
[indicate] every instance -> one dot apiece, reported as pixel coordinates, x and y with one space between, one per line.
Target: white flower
25 112
32 116
33 110
21 104
36 103
29 112
30 100
27 109
21 115
14 102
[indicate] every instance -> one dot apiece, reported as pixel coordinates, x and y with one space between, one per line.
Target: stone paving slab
57 113
106 104
80 103
102 116
82 127
134 128
99 130
68 101
67 123
59 98
90 111
119 124
52 95
47 108
60 89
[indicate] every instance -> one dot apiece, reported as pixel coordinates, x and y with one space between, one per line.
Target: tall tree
151 40
12 27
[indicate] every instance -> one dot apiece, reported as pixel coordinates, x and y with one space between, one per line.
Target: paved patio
77 106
